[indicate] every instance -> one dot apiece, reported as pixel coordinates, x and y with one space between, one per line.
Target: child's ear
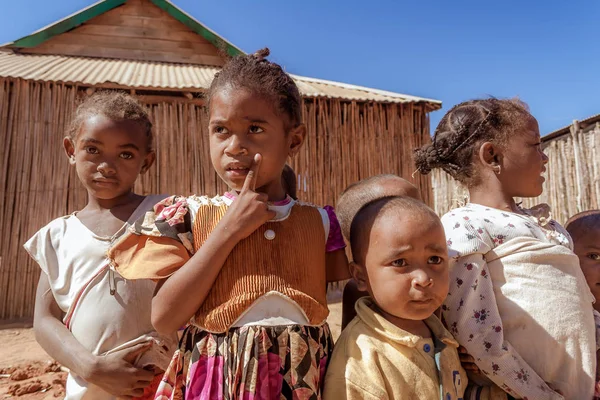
148 161
360 276
490 156
296 137
69 147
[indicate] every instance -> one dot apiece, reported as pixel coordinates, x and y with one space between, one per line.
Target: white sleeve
40 248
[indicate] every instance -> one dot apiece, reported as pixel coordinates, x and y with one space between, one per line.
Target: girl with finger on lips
247 269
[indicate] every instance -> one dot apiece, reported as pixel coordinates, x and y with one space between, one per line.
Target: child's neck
416 327
125 199
493 199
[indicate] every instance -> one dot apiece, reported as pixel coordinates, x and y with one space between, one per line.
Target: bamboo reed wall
572 178
346 141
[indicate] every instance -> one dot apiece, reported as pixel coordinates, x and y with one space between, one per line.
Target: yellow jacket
375 360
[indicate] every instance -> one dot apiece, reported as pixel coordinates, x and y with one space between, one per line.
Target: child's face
407 264
524 162
243 124
587 248
109 155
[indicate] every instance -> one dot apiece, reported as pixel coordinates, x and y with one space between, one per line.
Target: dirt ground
28 373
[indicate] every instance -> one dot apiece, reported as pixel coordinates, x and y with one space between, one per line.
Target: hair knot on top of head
254 72
262 54
463 128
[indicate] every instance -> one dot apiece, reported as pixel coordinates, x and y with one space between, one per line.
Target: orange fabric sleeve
147 257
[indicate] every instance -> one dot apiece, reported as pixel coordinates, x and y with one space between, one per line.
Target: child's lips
428 300
106 182
237 172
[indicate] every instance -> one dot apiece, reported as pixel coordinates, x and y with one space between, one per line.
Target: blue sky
545 52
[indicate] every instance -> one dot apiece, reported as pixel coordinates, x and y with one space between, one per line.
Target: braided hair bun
464 127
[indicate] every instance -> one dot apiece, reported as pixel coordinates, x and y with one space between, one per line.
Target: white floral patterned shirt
470 310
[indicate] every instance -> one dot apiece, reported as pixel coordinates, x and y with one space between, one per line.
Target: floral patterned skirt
249 363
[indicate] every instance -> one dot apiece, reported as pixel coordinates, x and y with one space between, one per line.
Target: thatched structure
572 177
155 50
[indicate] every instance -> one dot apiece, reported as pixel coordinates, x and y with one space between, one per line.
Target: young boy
584 229
396 348
350 202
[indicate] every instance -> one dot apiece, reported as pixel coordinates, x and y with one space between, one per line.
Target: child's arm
111 373
472 316
336 260
179 296
349 299
337 266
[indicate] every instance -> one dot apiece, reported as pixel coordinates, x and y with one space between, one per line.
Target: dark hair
584 222
357 194
114 105
464 127
362 223
288 178
265 78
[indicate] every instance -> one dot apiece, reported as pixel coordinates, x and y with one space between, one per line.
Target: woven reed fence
346 141
572 178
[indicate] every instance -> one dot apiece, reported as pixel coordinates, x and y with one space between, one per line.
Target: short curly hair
356 195
583 223
466 126
265 78
114 105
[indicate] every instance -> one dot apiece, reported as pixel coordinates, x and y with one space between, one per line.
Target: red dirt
26 371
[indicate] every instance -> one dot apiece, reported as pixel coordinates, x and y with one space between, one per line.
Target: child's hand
115 374
249 211
467 361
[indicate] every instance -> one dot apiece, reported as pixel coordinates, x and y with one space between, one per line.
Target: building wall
137 30
346 141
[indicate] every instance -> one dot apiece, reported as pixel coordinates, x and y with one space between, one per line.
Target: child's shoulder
470 212
57 226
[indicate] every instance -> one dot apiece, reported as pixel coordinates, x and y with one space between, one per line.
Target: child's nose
106 168
421 279
236 146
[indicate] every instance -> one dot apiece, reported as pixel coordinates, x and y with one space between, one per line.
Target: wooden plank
116 18
145 55
118 42
145 9
142 32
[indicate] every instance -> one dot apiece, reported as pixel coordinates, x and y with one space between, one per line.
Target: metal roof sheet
156 75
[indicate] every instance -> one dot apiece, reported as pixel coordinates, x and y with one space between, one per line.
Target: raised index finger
250 182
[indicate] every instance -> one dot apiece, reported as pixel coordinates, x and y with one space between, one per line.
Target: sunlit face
407 264
587 248
243 124
109 155
524 162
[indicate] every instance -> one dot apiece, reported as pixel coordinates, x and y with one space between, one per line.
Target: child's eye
91 149
127 156
594 256
220 130
256 129
435 260
401 262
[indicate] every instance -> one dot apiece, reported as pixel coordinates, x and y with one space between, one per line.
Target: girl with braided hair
248 269
518 300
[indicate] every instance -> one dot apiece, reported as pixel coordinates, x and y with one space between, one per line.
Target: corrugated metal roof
155 75
567 129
